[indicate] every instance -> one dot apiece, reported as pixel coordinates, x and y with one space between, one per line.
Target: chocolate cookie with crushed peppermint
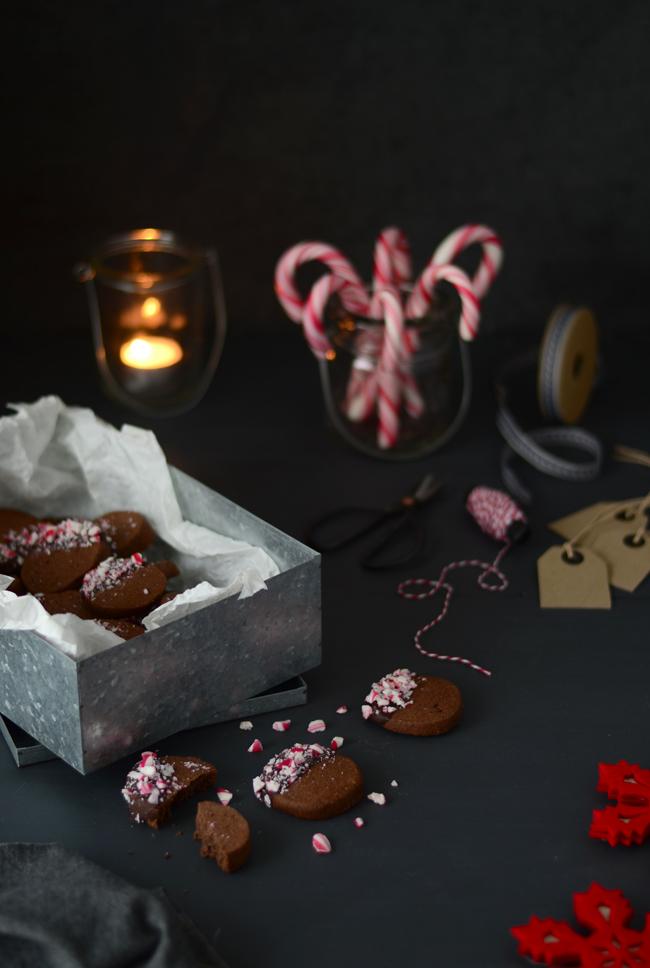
119 587
224 834
126 532
403 702
158 783
309 781
57 556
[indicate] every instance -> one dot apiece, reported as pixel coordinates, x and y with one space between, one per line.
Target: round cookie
169 568
61 555
414 705
70 602
123 586
126 532
309 781
13 520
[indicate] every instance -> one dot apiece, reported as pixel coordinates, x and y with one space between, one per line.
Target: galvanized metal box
92 711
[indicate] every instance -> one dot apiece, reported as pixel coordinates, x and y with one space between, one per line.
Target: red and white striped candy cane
491 258
422 295
356 298
392 266
314 311
389 381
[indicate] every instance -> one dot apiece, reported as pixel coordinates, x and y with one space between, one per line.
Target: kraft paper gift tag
569 526
581 582
628 561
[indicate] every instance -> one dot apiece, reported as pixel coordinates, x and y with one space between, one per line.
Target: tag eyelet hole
575 559
625 515
630 541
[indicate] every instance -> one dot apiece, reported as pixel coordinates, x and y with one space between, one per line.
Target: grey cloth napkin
59 910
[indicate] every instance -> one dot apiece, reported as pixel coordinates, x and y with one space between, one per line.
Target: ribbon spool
566 366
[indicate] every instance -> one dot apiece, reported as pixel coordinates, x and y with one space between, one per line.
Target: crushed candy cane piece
321 844
342 710
394 783
281 725
366 711
316 726
336 742
359 822
391 693
225 796
245 724
377 798
255 747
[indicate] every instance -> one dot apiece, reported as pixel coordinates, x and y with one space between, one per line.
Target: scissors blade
427 489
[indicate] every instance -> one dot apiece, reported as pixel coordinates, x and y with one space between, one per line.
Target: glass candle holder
158 319
438 368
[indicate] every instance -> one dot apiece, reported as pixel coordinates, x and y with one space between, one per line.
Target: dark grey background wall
255 124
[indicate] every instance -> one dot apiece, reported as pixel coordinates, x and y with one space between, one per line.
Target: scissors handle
343 526
400 542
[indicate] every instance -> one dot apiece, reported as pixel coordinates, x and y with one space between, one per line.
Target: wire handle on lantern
498 516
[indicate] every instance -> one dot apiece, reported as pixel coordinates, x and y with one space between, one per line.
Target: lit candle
150 352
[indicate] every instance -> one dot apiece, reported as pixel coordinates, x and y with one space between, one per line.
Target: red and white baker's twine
494 512
388 385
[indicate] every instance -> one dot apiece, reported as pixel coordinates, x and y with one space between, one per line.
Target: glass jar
158 319
438 367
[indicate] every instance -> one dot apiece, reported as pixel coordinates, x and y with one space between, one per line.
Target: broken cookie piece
224 834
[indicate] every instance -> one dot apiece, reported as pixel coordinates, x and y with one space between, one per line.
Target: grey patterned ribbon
532 445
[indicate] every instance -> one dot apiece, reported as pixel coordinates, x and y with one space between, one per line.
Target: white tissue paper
57 460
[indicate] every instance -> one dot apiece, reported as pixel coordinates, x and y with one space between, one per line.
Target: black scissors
402 539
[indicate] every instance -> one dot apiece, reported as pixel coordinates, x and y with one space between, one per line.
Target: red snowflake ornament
629 821
610 943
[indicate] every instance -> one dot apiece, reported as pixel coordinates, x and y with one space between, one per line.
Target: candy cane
335 261
491 258
389 384
422 296
314 311
392 264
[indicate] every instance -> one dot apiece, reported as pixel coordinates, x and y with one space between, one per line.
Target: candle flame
150 352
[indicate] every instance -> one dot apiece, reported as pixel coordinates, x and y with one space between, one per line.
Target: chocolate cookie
168 568
123 586
224 834
14 520
60 603
17 586
126 532
310 782
403 702
125 630
156 784
61 555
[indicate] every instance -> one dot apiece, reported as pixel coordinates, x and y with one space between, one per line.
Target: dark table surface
488 824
